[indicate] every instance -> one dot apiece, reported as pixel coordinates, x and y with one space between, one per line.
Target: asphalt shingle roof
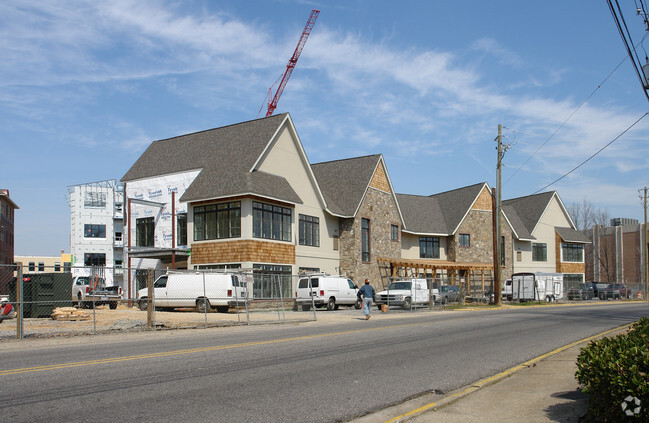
524 213
343 182
439 213
571 235
225 156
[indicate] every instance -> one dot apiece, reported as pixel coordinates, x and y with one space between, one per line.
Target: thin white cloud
494 48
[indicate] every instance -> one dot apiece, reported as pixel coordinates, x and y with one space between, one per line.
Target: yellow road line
483 382
194 350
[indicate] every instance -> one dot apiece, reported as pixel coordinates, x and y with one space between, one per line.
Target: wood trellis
410 268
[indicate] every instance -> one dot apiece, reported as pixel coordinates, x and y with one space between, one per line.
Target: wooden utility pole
498 245
646 247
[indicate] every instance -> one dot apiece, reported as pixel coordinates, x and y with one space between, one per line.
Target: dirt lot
102 320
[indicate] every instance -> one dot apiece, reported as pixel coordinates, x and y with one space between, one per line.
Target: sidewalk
541 390
546 391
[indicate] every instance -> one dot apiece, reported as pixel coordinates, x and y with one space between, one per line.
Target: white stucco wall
410 246
285 159
544 232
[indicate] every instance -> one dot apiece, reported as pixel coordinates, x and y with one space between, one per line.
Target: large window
94 231
94 259
181 229
465 240
145 232
428 247
365 239
573 279
92 199
217 221
271 222
539 252
309 231
572 252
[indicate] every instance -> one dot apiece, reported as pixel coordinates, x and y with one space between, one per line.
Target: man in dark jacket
367 293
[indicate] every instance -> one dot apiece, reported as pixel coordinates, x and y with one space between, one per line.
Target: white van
321 290
200 290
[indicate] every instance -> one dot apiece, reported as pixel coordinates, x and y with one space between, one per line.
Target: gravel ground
103 319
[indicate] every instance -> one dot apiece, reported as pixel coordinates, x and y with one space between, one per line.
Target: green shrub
613 369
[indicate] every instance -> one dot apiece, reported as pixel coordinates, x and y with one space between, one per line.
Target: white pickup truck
406 293
89 290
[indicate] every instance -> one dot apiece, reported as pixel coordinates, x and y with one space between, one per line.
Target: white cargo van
200 290
321 290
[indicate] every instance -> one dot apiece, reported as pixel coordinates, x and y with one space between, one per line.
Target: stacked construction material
70 313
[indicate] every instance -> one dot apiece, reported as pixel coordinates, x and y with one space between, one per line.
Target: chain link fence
49 301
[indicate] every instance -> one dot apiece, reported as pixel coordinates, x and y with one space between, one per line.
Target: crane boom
272 104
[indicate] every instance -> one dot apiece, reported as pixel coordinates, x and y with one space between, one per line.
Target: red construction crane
272 104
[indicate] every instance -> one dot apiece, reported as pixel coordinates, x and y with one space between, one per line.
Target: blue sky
85 86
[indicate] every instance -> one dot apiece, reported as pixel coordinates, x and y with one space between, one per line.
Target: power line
636 66
599 151
569 117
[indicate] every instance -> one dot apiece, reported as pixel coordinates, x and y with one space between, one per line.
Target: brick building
7 208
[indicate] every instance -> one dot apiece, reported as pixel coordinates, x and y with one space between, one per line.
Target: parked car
598 287
449 294
615 291
585 292
325 290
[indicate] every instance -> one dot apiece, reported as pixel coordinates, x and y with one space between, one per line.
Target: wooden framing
390 268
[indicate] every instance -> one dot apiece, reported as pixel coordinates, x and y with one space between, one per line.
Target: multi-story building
544 238
97 228
7 208
618 253
245 196
45 264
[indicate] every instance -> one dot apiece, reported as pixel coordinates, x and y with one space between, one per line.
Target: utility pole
497 235
646 247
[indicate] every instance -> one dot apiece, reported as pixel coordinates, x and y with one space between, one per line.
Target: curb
482 383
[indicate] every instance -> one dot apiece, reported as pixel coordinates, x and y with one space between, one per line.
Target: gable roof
224 156
524 213
571 235
343 182
438 214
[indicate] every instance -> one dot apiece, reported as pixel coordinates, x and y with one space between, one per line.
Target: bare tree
584 215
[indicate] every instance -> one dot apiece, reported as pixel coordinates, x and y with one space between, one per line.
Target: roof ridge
458 189
218 127
530 196
349 158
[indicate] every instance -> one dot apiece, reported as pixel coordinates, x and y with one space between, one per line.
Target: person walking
368 295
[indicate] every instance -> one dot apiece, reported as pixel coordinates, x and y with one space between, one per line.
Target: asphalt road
325 371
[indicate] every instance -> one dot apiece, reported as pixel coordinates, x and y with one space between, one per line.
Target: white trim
244 195
484 184
583 254
305 160
424 233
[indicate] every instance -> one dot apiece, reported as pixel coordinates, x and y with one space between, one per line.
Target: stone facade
479 227
380 208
